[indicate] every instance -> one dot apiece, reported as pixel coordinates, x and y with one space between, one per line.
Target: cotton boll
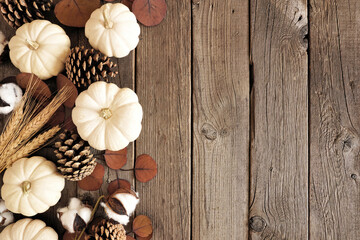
6 217
74 215
121 205
10 96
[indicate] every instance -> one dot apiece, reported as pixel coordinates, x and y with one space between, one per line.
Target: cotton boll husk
67 215
128 199
6 217
122 219
10 94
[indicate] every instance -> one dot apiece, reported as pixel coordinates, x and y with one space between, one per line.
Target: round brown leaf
128 3
145 238
142 226
94 181
129 237
145 168
58 117
116 159
62 81
74 236
117 184
41 90
75 13
149 12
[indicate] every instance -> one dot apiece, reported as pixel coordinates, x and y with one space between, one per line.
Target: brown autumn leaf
128 3
62 81
129 237
40 87
116 159
75 13
118 183
94 181
145 168
149 12
69 124
73 236
58 117
145 238
142 226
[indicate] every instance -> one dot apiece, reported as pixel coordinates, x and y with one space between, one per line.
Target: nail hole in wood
353 176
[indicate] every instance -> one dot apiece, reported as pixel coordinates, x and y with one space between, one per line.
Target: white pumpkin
113 30
28 229
108 117
40 47
31 186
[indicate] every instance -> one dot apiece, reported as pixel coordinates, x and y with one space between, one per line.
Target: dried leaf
142 226
69 124
117 184
129 238
75 13
94 181
73 236
116 159
41 90
58 117
145 168
62 81
128 3
149 12
145 238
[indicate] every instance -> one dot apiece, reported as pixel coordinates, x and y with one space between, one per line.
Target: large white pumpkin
108 117
28 229
31 186
40 47
113 30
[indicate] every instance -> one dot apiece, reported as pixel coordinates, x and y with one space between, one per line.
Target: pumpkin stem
26 186
108 23
105 113
32 44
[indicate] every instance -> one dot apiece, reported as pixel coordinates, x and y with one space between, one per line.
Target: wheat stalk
33 145
28 118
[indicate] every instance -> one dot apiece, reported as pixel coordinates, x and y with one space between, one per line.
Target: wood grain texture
335 119
221 119
279 151
163 83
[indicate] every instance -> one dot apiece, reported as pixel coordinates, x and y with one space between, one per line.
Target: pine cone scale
75 159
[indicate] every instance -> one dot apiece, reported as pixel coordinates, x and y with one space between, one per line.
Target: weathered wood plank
335 119
279 151
163 84
221 119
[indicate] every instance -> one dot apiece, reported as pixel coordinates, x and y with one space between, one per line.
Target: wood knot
257 224
353 176
209 131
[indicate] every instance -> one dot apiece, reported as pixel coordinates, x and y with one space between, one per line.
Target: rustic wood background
251 110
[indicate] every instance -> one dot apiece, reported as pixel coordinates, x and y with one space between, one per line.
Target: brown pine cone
103 229
75 159
18 12
85 66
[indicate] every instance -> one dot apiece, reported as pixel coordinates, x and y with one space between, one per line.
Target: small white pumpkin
108 117
28 229
113 30
31 186
40 47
